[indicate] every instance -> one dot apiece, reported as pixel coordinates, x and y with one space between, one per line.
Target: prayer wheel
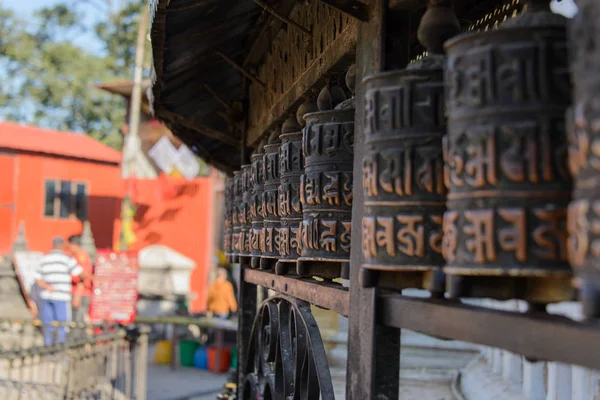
257 212
326 188
506 160
245 219
228 225
584 156
270 203
291 165
236 212
402 172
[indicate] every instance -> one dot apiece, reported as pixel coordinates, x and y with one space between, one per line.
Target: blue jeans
54 310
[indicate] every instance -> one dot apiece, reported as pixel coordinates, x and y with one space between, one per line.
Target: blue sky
25 8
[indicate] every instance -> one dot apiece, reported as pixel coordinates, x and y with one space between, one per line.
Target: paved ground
182 384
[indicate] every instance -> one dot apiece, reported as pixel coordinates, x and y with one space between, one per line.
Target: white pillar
581 384
512 368
533 381
559 381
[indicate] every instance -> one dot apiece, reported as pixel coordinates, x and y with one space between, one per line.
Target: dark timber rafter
205 130
353 8
241 69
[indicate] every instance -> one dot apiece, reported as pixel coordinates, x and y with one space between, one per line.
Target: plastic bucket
163 352
224 361
201 358
234 358
187 350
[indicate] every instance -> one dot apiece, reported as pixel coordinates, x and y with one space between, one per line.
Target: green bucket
187 349
234 358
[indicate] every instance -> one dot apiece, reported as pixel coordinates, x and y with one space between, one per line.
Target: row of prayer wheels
481 169
290 209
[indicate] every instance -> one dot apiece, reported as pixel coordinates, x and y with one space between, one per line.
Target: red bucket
224 361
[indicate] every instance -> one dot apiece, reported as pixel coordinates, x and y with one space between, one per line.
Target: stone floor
182 384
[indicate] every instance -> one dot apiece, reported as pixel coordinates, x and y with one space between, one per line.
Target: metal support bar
535 335
331 296
353 8
241 69
283 18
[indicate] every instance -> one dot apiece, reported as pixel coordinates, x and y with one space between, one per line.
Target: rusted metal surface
584 139
257 211
326 185
328 295
536 335
287 358
507 173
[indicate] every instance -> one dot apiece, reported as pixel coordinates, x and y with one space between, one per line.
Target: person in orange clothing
221 300
82 293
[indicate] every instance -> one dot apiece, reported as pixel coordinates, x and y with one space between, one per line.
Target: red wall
170 211
176 213
22 198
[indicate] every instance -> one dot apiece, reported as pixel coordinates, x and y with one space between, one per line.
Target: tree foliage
49 64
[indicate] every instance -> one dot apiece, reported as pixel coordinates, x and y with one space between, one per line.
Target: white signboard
164 154
186 162
26 264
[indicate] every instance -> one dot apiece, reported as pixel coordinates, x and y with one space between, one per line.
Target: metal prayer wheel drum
257 212
236 211
505 159
228 223
291 165
270 204
326 193
244 213
584 157
402 175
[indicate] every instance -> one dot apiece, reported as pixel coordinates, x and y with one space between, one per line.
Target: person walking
82 293
54 277
221 300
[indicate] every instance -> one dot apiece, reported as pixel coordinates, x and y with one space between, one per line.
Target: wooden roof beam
283 18
205 130
353 8
241 69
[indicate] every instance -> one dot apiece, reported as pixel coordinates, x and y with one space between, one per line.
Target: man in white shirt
54 277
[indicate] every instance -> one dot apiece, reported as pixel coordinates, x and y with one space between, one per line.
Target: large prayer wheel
584 156
245 218
257 212
326 192
291 165
228 225
270 203
506 160
236 211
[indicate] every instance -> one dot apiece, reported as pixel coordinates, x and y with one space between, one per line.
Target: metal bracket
353 8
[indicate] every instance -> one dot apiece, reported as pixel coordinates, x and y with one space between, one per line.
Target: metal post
373 349
247 313
141 368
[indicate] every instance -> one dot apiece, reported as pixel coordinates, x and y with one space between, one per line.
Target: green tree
49 64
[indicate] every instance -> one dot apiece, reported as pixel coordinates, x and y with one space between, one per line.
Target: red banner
115 293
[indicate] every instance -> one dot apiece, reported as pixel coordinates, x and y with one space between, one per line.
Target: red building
51 181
